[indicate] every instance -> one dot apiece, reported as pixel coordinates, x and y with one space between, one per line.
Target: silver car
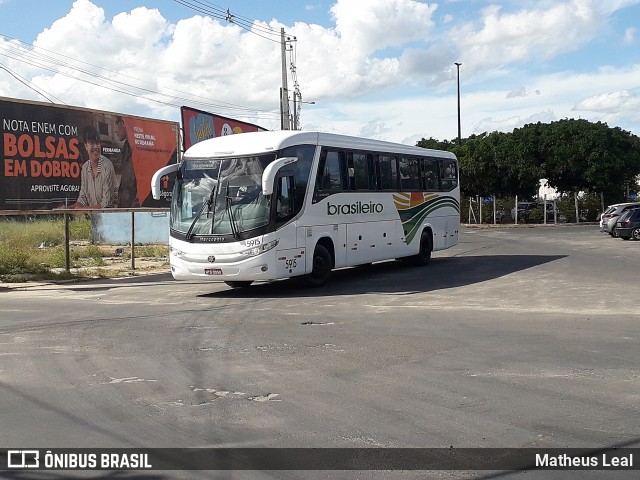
611 215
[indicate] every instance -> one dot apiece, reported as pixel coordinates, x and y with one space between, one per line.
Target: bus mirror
157 178
269 175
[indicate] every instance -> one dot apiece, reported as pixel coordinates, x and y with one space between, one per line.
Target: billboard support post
67 256
133 241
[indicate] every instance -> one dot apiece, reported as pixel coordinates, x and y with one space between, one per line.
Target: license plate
213 271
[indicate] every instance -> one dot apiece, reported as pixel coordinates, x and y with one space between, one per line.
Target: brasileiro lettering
354 208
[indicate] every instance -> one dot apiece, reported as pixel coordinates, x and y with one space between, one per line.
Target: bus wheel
424 255
322 266
239 284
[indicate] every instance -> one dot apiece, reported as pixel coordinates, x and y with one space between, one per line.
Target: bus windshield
220 196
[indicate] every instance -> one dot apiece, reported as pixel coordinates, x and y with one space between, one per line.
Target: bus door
289 257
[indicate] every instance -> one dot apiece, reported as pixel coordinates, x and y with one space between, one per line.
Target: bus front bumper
252 269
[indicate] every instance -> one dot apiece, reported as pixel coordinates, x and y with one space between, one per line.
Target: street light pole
457 64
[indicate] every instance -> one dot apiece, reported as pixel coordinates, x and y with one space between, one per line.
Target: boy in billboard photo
128 189
98 177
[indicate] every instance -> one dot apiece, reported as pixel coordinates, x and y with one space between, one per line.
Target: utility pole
459 129
284 93
295 113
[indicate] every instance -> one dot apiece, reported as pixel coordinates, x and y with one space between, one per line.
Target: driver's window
284 201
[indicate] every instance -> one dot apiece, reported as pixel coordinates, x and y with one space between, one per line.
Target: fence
564 209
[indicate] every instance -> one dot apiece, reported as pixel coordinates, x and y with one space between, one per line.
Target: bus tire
239 284
426 247
322 266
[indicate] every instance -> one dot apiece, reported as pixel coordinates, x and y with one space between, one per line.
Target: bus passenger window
386 173
331 172
430 174
409 174
371 167
449 175
360 172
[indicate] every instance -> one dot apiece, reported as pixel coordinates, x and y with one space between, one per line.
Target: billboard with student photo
199 126
61 157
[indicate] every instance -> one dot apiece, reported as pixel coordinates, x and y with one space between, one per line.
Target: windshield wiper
208 204
232 220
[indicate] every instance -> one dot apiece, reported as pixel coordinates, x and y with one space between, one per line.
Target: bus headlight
176 253
258 249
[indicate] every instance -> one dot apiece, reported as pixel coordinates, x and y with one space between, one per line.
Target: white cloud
528 34
610 103
520 92
629 36
378 24
375 129
508 124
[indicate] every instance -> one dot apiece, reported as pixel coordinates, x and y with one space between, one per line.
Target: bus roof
260 142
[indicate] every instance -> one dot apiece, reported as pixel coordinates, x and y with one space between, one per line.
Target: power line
51 61
30 85
60 64
219 13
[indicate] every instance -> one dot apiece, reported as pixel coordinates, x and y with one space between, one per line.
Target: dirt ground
124 267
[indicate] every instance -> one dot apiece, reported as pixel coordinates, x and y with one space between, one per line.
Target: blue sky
380 68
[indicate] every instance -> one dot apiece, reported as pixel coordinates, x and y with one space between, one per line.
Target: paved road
517 337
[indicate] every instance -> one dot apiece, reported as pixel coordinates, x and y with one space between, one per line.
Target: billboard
57 156
199 125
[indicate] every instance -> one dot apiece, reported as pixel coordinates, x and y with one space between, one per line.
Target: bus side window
409 174
332 172
448 174
386 172
358 171
430 174
371 167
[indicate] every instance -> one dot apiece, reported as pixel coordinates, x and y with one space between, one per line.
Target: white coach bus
272 205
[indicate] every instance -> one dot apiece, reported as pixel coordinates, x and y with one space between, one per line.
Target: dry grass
34 249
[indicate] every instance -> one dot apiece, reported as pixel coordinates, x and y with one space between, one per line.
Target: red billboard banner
199 125
56 156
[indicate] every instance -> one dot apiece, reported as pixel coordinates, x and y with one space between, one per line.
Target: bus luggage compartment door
370 241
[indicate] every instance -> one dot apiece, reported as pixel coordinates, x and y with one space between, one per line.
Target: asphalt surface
516 337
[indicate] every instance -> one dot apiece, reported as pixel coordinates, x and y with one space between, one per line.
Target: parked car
628 225
604 216
611 216
601 216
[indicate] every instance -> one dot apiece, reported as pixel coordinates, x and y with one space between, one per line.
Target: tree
573 155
